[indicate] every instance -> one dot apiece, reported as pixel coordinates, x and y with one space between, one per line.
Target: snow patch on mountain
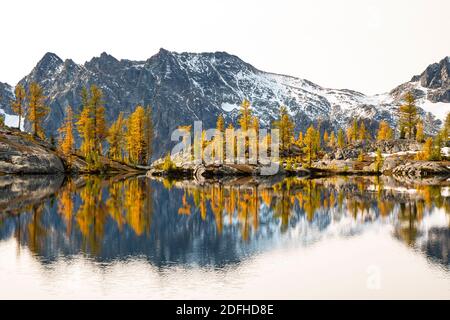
228 107
439 109
11 120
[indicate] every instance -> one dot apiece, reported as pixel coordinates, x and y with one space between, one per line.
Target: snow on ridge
11 120
439 109
228 107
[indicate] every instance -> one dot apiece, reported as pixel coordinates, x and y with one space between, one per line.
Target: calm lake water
119 237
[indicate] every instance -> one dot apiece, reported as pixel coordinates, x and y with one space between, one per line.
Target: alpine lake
243 238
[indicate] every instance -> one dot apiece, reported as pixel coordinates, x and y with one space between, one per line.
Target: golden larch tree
245 115
326 137
135 136
384 131
332 140
116 138
362 134
311 145
420 135
66 140
407 114
37 109
340 139
286 128
427 150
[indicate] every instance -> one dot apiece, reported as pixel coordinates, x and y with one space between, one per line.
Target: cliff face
20 154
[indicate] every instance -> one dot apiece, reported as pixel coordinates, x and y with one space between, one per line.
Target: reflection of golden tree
385 207
283 204
431 195
36 231
186 207
217 205
65 204
91 215
242 203
266 197
137 212
115 203
407 230
311 198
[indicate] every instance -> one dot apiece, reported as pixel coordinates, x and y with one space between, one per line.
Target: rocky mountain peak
105 62
48 63
436 75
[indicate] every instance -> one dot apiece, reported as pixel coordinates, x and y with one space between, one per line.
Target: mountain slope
6 95
184 87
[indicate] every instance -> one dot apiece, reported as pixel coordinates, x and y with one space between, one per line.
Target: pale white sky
366 45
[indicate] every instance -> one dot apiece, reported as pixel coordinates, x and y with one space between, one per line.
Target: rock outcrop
20 154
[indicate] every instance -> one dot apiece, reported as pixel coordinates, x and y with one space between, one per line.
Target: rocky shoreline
20 153
412 170
397 160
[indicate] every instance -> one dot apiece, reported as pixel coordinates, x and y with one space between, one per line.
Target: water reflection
214 224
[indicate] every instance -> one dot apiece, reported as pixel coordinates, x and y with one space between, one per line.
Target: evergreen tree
245 115
18 104
420 136
362 134
220 123
135 136
85 129
427 150
66 140
437 145
354 130
116 138
384 131
286 128
299 140
220 126
349 134
341 139
37 109
446 130
326 138
378 161
332 141
311 146
91 124
408 116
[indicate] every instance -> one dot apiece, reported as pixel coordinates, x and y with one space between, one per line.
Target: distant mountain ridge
184 87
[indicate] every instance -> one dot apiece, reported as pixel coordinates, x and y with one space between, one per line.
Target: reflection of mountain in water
436 245
216 224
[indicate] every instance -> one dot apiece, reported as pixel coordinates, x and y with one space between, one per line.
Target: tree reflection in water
218 223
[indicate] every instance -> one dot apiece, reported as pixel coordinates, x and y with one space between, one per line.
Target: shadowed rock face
435 79
18 154
18 192
436 75
6 95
